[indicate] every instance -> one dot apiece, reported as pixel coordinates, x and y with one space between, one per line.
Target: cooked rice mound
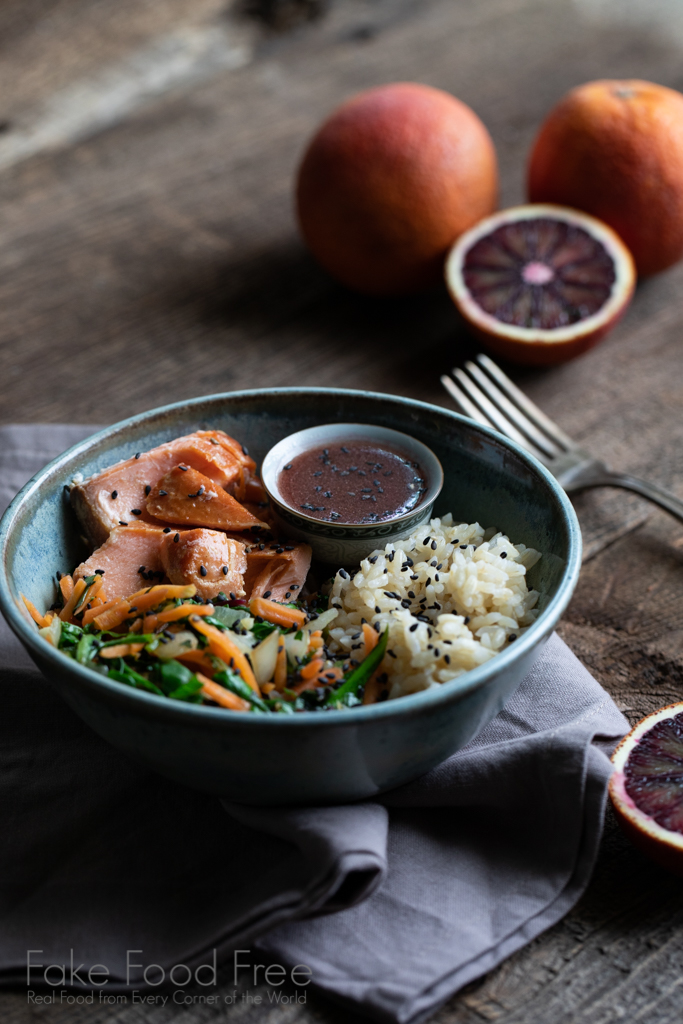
451 595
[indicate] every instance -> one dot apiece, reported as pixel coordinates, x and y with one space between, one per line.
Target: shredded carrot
183 610
313 669
198 658
370 638
68 608
120 650
277 613
280 674
39 619
112 617
136 627
222 646
143 600
219 695
316 641
93 591
267 688
48 617
66 585
149 623
99 610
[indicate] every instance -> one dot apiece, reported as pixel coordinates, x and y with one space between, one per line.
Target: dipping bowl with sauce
348 488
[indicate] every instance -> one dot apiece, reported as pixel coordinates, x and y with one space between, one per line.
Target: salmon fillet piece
190 498
282 578
222 558
119 494
126 551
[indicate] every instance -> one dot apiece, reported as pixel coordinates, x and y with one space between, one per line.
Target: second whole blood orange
615 150
388 183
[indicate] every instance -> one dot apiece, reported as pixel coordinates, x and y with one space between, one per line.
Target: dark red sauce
358 482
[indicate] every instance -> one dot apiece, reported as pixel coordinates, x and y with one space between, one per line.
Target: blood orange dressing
354 483
653 773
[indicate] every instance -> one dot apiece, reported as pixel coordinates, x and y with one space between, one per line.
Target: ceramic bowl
345 544
304 758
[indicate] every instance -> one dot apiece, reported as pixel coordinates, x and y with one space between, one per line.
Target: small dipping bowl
347 543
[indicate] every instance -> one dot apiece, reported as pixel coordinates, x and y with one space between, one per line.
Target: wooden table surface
148 253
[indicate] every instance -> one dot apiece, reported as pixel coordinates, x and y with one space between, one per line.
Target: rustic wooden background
148 253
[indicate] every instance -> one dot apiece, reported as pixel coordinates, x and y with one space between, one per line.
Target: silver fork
487 395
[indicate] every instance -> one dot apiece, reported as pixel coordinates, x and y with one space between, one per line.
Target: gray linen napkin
394 904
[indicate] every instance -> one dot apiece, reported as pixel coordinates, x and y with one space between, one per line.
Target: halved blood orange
540 283
646 788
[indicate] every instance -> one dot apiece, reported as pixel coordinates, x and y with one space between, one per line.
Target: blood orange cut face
540 283
646 788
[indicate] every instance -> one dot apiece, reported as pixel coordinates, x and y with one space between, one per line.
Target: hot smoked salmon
207 558
119 494
129 556
189 498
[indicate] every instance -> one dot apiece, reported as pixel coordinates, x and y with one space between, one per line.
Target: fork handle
656 494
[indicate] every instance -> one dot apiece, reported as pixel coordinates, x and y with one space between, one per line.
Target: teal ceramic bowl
306 758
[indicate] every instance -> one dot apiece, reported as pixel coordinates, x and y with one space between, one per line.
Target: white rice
467 582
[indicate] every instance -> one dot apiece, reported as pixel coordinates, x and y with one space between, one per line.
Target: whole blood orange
615 150
388 182
646 788
540 283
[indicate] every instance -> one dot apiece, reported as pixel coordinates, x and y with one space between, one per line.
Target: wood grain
152 255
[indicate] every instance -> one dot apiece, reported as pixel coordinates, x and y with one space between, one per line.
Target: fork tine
515 415
463 401
493 414
536 415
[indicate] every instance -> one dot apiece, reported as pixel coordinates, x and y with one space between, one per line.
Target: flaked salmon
129 556
207 558
282 576
189 498
119 494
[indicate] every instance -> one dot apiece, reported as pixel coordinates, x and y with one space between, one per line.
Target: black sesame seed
202 570
344 574
100 572
167 529
433 545
390 556
121 523
268 593
411 594
378 610
142 569
224 570
391 653
413 628
345 450
184 468
355 636
162 494
503 554
355 647
513 636
176 538
295 586
373 559
287 595
147 489
426 540
447 658
136 511
261 547
114 494
464 547
467 619
232 596
138 454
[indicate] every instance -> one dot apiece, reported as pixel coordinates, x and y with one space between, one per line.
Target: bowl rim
163 709
436 480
